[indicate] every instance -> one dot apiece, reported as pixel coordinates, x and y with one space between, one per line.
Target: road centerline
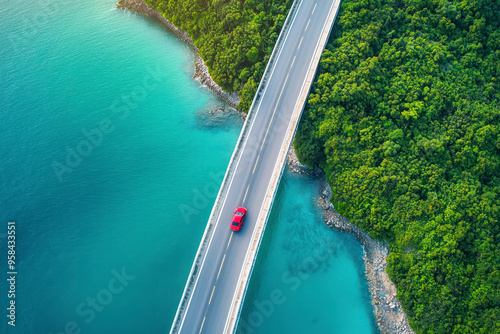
231 236
211 295
246 192
300 43
256 162
201 328
274 112
221 265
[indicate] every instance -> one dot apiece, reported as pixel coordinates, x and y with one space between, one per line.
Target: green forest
235 37
404 119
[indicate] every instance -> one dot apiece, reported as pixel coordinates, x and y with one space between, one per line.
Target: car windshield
238 213
236 224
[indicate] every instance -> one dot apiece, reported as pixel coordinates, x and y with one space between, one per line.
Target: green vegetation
235 37
404 119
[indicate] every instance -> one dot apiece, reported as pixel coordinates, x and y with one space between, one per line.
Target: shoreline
201 73
387 309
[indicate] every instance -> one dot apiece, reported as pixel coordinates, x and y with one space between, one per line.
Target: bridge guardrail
229 173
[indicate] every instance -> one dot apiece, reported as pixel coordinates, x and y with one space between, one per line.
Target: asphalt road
210 302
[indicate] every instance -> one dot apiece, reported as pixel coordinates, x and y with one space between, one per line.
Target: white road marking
300 43
246 192
314 8
221 265
202 324
256 162
293 62
211 295
274 112
230 239
307 26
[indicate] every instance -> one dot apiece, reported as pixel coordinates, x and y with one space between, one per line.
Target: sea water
110 161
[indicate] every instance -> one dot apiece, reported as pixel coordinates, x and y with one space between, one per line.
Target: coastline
387 309
200 68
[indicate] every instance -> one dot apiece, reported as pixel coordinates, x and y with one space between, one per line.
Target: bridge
217 283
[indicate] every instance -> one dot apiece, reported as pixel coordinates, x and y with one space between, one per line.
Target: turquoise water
307 277
109 164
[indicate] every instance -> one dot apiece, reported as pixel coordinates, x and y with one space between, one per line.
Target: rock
217 109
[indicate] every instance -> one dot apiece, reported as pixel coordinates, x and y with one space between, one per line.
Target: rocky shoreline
387 309
201 71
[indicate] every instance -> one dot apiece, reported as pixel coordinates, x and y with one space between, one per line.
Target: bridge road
209 305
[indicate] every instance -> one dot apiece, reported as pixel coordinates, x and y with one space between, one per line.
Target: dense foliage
235 37
404 119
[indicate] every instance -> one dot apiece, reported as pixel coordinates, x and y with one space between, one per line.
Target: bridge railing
195 269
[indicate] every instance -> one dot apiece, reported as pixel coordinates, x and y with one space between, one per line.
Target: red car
238 218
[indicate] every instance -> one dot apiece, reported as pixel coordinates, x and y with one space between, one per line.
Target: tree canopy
235 37
404 119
